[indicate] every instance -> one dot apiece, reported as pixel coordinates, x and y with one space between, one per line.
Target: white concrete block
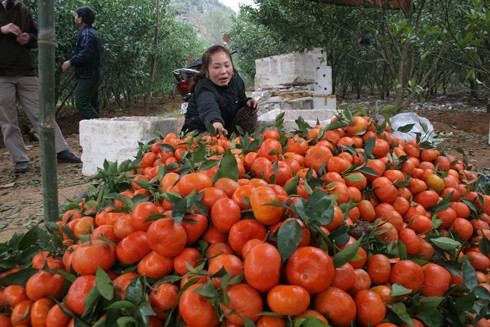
117 139
288 69
325 102
323 80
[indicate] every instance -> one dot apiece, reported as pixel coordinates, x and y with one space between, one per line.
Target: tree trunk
47 112
153 65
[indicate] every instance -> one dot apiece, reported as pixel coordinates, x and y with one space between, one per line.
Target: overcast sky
233 4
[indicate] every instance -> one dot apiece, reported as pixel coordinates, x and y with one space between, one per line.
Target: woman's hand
218 127
254 104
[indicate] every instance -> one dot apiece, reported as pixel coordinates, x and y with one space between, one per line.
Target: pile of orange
340 225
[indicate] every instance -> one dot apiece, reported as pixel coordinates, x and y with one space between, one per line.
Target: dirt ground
459 122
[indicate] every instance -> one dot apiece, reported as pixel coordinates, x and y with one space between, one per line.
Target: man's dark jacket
87 57
17 59
211 103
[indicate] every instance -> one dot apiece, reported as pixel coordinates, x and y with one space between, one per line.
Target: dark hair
205 59
206 56
87 15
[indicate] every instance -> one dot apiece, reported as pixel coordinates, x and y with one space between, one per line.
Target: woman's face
220 69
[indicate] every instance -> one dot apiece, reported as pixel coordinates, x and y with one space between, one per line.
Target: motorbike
184 78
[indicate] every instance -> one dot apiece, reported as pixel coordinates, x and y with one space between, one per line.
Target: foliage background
430 48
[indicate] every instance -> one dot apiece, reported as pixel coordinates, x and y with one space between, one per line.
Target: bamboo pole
46 44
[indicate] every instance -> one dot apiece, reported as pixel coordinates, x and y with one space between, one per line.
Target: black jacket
17 59
87 57
211 103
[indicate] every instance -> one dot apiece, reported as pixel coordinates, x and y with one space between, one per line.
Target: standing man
19 82
87 60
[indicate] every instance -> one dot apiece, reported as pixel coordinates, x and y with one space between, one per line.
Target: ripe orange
436 280
195 309
21 313
229 262
243 231
338 305
163 297
225 212
77 293
188 256
167 237
245 301
379 268
14 294
407 273
265 212
88 256
132 248
193 182
270 321
344 277
262 267
45 284
154 265
39 311
370 308
288 300
311 268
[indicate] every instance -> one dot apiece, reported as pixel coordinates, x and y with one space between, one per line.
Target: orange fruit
288 300
311 268
407 273
262 267
338 305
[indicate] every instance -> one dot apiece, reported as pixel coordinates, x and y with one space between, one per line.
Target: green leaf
208 164
288 238
405 128
93 297
431 318
398 290
369 146
484 245
469 275
340 235
247 322
401 311
445 243
291 186
336 124
207 290
121 305
134 291
103 283
368 171
228 167
429 303
345 255
319 208
482 293
126 322
19 277
310 321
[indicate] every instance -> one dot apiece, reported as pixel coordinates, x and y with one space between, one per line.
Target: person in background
19 83
87 60
218 97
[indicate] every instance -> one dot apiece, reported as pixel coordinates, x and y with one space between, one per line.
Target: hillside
210 18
